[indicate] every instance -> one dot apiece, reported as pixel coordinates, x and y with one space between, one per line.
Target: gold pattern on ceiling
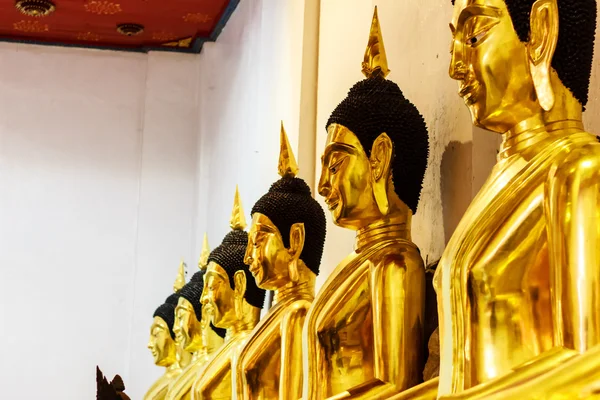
30 26
197 18
102 7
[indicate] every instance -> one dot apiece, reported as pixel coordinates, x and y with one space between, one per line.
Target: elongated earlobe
240 290
541 46
381 158
296 246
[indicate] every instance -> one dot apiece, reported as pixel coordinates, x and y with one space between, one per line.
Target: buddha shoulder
579 163
296 309
400 255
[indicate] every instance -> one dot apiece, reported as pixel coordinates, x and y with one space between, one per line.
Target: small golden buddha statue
162 341
193 334
364 331
284 252
518 283
233 302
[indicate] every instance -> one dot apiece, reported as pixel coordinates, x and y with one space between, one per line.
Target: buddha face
346 179
184 317
270 262
161 344
491 65
218 298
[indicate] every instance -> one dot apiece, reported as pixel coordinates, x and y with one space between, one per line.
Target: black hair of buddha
230 256
192 292
376 105
198 278
575 48
289 201
166 311
172 299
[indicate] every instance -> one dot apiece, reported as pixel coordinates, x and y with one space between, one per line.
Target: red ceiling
168 24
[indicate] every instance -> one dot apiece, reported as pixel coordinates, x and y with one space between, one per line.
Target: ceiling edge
195 48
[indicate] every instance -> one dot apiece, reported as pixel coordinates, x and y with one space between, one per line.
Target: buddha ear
381 162
239 291
297 235
541 47
239 284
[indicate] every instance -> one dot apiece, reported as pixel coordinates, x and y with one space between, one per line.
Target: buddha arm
425 391
398 298
290 377
578 378
213 372
181 386
571 209
158 390
498 387
573 193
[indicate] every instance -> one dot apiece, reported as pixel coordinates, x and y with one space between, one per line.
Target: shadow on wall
455 187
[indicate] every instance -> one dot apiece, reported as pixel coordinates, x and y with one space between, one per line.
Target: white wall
97 173
250 81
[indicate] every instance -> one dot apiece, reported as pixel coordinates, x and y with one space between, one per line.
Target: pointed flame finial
203 262
238 220
375 62
180 281
287 162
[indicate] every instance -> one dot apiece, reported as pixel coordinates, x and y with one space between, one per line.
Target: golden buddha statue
194 334
518 282
162 342
233 302
284 252
364 331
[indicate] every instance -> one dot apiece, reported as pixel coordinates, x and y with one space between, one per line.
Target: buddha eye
336 167
473 40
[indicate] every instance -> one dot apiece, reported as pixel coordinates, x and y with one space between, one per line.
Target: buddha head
377 147
230 294
191 329
515 58
162 337
188 314
287 234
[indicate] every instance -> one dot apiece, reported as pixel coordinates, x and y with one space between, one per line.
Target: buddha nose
248 256
204 298
458 68
324 187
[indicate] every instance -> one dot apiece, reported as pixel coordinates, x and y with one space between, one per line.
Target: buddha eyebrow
216 274
337 147
476 11
264 228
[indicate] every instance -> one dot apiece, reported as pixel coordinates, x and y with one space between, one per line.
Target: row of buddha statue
517 288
